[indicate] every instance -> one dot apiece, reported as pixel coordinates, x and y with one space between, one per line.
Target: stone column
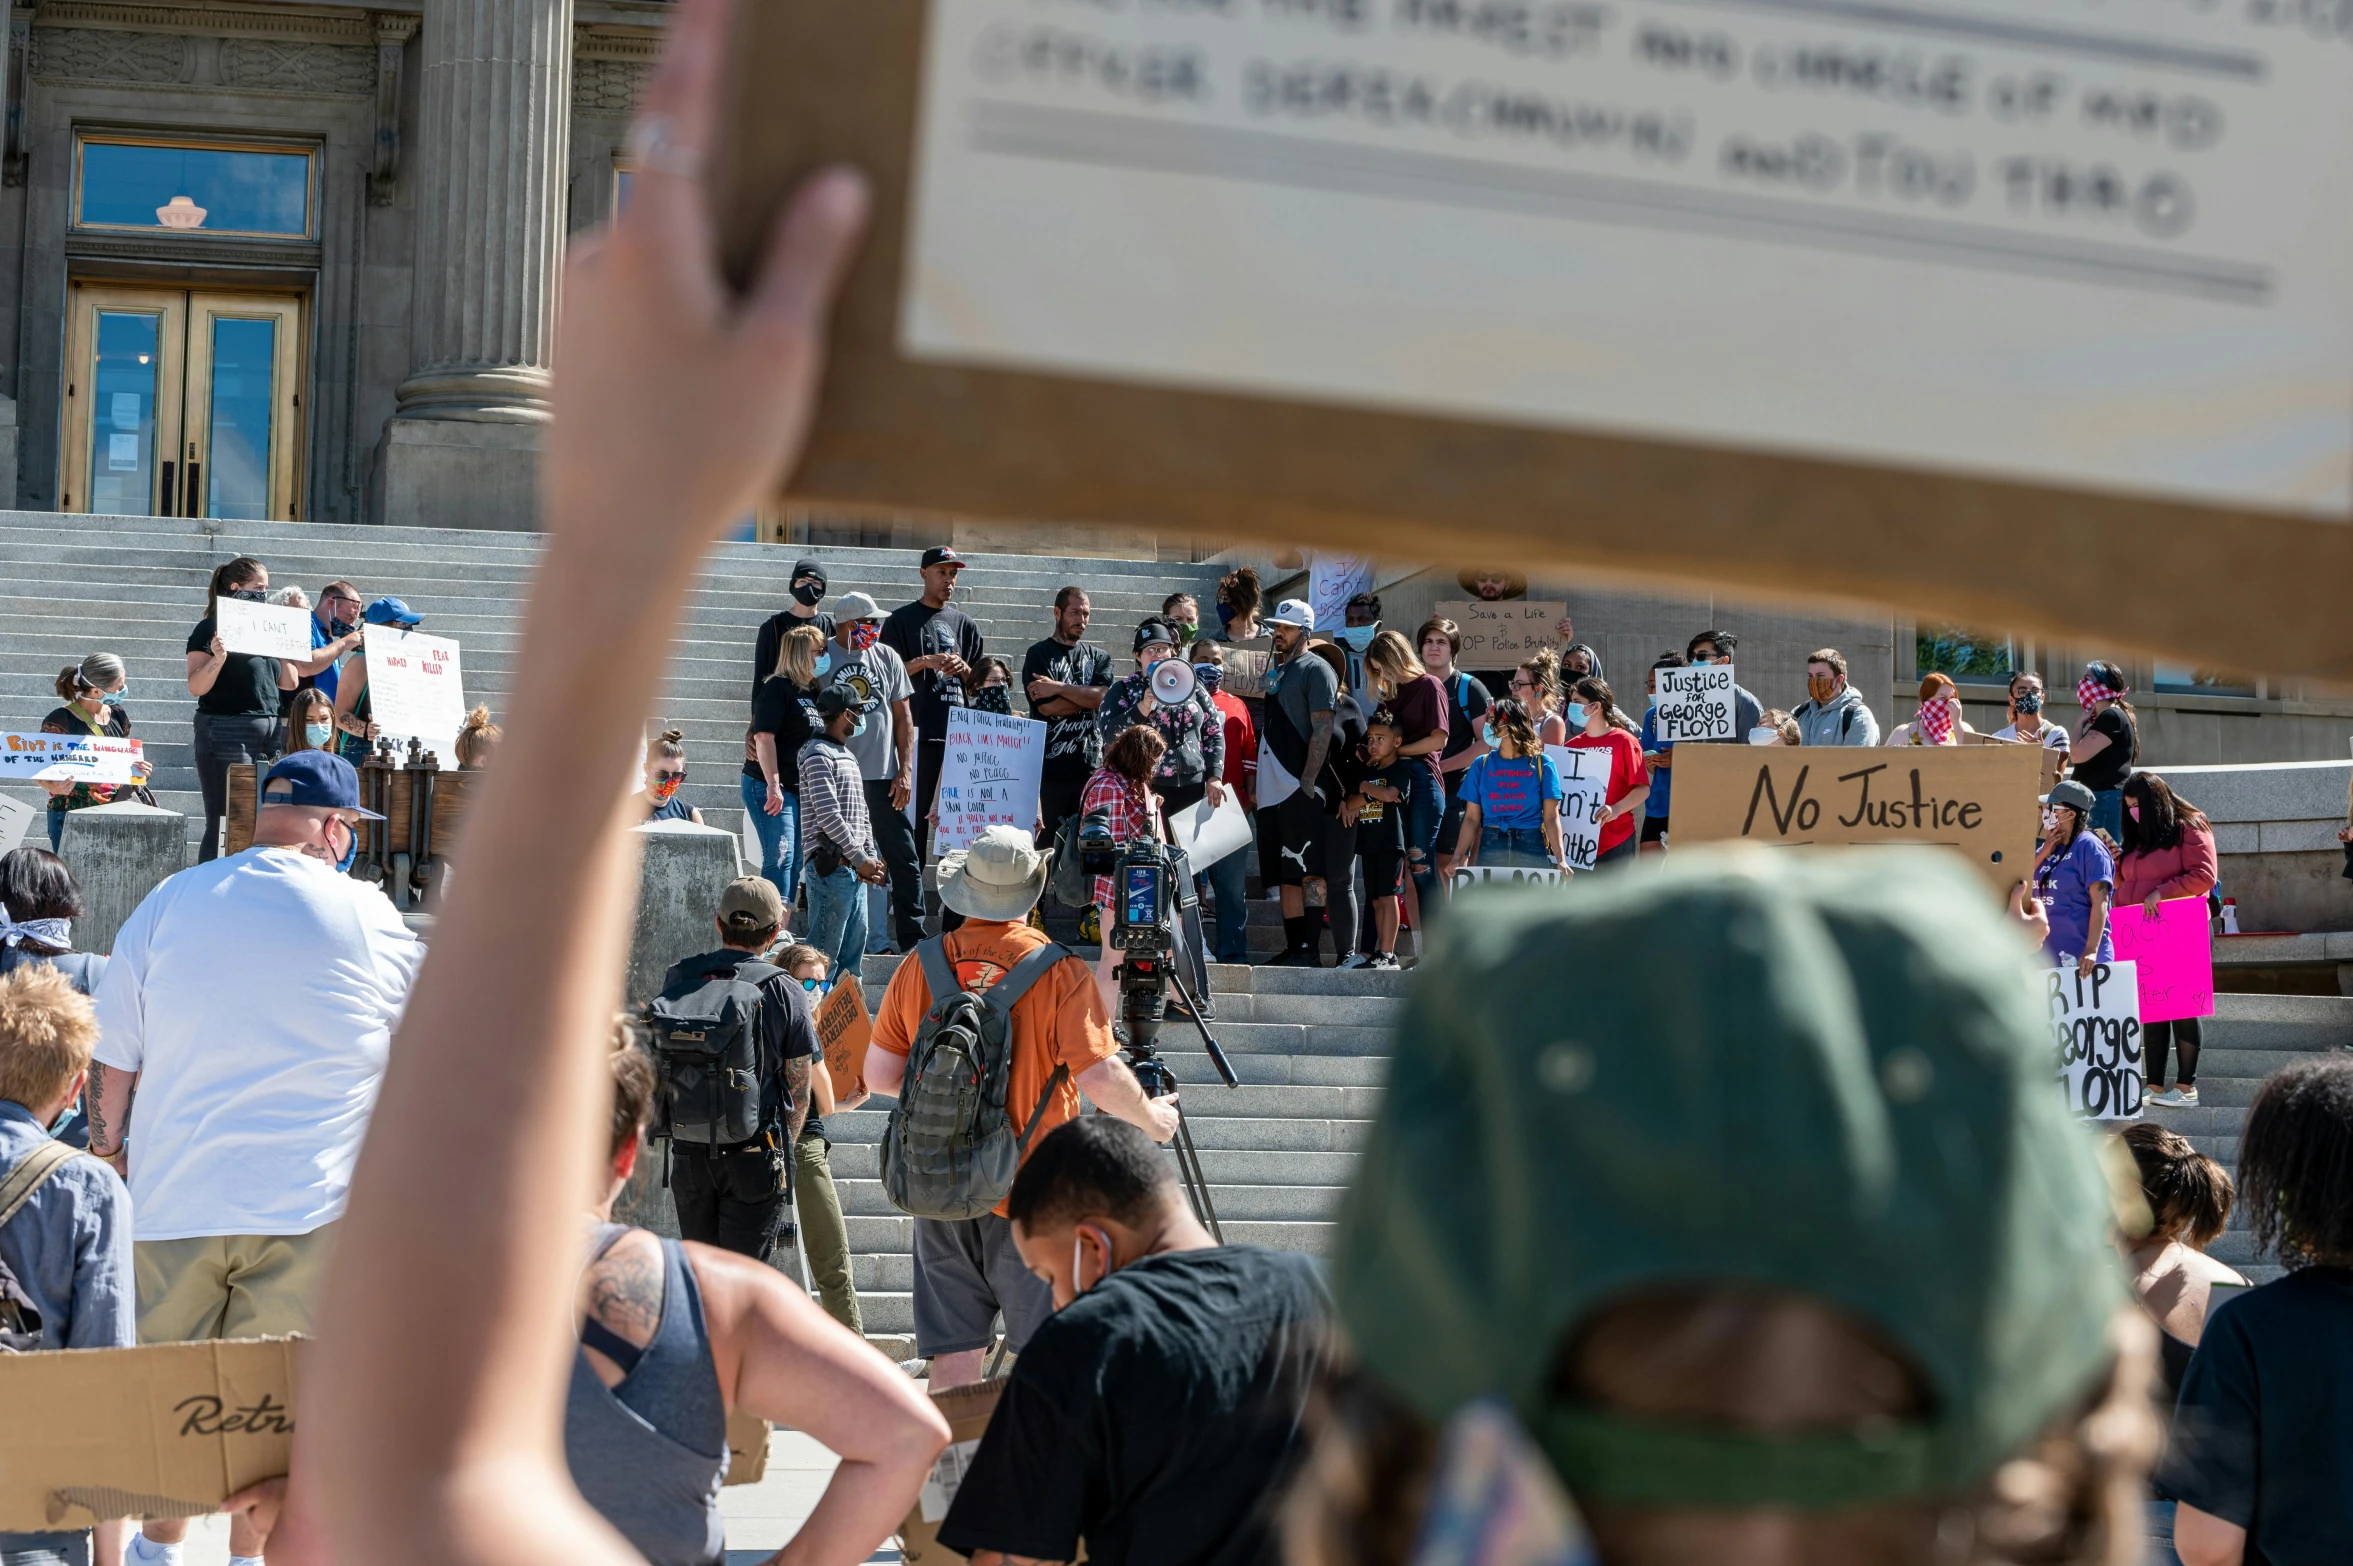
686 868
462 448
118 854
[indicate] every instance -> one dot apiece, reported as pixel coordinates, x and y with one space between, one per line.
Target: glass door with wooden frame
182 403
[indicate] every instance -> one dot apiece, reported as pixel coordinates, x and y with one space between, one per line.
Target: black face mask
992 698
809 594
341 627
252 595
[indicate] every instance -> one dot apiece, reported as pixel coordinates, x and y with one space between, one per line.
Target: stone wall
2275 829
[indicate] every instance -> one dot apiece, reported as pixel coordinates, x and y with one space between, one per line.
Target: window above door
147 184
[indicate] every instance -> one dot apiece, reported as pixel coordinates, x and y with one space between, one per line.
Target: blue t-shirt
329 678
1511 794
2065 882
1662 779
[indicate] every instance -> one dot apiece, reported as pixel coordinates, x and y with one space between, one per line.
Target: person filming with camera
1157 1415
997 999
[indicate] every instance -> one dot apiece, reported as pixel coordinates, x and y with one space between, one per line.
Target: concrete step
1224 1166
1261 1133
1271 1203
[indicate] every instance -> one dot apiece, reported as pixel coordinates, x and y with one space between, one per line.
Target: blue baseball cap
391 611
316 777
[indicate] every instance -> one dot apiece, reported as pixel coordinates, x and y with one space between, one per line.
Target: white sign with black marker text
1584 795
1696 703
2096 1037
989 777
415 688
264 630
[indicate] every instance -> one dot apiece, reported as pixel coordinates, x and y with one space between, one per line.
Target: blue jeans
780 837
56 828
1514 848
1425 812
1229 878
837 918
2161 1550
2108 813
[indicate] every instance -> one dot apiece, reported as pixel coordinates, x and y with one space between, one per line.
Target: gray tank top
649 1454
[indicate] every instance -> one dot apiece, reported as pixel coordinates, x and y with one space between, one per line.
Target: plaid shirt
1130 811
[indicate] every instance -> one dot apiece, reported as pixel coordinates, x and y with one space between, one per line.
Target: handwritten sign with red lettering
2174 951
69 758
415 690
990 777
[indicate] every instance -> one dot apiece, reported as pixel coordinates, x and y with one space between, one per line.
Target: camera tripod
1143 1003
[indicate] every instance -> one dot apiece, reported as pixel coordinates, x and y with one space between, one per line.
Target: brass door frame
195 446
85 302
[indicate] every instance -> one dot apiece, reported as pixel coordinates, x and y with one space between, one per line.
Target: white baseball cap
1292 611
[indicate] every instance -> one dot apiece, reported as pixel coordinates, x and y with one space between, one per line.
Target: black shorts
1384 866
1654 829
1291 841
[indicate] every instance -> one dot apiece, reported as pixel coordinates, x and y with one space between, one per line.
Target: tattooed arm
108 1104
624 1291
796 1087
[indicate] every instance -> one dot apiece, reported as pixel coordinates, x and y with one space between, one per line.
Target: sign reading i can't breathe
2096 1035
1696 703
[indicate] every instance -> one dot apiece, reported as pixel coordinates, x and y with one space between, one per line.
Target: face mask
864 634
1186 633
115 698
1076 1285
65 1117
1654 698
341 627
1574 715
317 734
1764 736
1225 614
1209 676
663 788
1487 733
350 847
809 594
992 698
2050 820
858 727
2029 703
1356 638
252 595
1703 659
824 664
2132 810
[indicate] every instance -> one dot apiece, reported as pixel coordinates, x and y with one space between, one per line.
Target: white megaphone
1173 681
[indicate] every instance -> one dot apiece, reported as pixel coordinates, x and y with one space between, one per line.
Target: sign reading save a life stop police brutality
1979 799
415 690
2096 1033
1697 704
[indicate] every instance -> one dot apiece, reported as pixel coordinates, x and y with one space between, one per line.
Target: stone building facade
333 230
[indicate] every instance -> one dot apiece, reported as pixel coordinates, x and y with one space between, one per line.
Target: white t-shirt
255 996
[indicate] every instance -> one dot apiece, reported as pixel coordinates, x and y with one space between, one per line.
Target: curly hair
1135 752
2296 1164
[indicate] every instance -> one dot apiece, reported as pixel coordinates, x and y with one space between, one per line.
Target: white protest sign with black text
77 758
1696 703
16 819
264 630
1469 877
2096 1037
1584 795
415 689
990 775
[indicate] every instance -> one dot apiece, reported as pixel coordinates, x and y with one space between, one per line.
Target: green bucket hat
1821 1072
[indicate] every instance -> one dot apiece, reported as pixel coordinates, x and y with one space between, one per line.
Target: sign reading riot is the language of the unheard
415 689
2096 1035
76 758
1979 799
1584 795
1500 634
990 775
1696 704
265 630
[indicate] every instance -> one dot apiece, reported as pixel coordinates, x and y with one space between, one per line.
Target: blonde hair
1391 662
794 956
475 737
1543 671
796 655
47 1030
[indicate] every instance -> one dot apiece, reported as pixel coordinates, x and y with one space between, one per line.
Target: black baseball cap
315 777
837 699
1156 630
941 554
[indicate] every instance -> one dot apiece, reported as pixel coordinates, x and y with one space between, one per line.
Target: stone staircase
1311 1047
2249 1038
72 585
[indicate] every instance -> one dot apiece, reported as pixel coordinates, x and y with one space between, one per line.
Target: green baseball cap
1820 1072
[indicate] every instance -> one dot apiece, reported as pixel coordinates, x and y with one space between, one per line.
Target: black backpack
706 1037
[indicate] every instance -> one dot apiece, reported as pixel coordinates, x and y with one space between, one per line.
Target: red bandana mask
2089 690
1937 718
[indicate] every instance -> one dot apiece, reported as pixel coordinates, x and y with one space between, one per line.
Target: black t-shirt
1157 1417
2260 1436
917 630
788 1028
789 712
1467 702
1072 750
1380 826
2112 766
771 642
247 686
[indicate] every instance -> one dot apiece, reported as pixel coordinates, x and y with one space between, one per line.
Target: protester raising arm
677 409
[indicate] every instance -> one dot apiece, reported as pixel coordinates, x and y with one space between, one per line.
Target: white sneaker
1356 960
1384 961
144 1551
2176 1098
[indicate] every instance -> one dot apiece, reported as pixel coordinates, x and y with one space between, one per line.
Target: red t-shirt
1627 773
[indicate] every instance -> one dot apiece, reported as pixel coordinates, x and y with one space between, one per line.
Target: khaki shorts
230 1286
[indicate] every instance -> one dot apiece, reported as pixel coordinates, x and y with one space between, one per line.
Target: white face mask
1764 736
2050 821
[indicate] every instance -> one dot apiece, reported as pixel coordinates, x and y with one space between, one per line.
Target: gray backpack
949 1150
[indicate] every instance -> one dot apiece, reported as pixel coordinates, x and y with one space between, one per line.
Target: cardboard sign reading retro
1978 799
1584 790
1500 634
266 630
843 1029
76 758
2096 1035
2173 951
989 777
1697 704
416 689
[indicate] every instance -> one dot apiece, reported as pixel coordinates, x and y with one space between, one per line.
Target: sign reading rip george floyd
2096 1036
1980 800
1499 634
1697 703
1243 328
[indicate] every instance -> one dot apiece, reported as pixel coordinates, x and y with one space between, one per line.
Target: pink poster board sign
2175 951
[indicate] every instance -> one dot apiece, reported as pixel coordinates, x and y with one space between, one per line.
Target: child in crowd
807 964
65 1217
1377 811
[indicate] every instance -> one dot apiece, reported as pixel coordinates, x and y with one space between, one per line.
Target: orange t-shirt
1062 1018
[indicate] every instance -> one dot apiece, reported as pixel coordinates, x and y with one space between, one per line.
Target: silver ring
653 146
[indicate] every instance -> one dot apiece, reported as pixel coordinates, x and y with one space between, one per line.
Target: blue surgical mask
318 734
824 665
1487 733
351 847
858 727
115 698
65 1117
1574 715
1703 658
1356 638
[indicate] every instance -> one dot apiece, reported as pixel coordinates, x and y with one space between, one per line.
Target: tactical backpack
705 1031
949 1149
20 1321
